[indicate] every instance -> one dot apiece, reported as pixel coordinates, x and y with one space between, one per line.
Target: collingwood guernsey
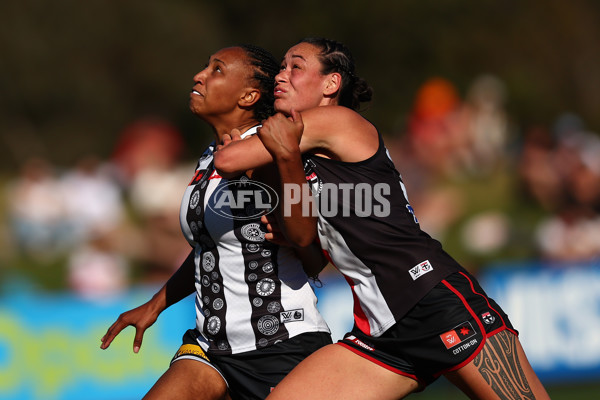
249 293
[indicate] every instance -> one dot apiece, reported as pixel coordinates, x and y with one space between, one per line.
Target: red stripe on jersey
196 178
360 318
214 175
327 256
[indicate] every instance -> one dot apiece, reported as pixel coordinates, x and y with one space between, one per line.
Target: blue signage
50 343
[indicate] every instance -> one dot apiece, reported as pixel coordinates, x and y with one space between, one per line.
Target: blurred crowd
491 189
113 221
483 185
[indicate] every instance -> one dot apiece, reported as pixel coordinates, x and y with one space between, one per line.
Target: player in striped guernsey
418 314
256 314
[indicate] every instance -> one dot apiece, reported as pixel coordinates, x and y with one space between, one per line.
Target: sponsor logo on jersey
488 318
359 342
458 335
420 269
291 315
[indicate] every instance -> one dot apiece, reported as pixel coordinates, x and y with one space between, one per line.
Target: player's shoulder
330 111
335 117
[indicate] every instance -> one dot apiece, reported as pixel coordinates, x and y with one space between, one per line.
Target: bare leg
500 371
189 379
336 373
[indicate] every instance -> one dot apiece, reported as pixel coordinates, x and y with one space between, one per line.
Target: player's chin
282 106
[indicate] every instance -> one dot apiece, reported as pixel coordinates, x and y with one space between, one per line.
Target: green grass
442 390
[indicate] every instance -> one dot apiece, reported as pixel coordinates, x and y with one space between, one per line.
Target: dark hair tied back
265 69
335 57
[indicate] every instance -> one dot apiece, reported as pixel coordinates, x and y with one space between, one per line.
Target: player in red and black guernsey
256 315
418 314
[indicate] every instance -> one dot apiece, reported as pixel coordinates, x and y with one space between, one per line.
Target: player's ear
333 84
249 97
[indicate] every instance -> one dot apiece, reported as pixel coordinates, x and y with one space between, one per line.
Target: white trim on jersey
367 295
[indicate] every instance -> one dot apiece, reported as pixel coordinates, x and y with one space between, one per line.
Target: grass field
442 390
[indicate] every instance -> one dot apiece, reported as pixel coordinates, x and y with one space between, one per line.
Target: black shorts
443 332
253 374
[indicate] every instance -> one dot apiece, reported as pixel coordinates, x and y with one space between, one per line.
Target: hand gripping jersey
249 293
369 232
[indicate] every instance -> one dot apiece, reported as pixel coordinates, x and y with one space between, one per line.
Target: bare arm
281 136
312 257
180 285
333 131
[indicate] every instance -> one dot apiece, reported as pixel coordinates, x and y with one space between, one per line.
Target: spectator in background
96 271
94 214
561 172
448 142
92 199
147 156
426 151
36 210
537 169
146 143
486 124
433 129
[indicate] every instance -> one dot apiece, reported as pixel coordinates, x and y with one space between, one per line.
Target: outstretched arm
180 285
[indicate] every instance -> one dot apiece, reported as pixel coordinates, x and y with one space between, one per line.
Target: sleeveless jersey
249 293
369 232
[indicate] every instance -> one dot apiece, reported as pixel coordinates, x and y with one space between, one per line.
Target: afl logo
243 199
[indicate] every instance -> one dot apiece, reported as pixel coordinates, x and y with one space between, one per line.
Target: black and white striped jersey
249 293
369 232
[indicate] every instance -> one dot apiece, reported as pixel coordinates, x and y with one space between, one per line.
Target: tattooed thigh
499 365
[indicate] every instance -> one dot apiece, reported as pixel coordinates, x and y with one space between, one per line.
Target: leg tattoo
499 364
